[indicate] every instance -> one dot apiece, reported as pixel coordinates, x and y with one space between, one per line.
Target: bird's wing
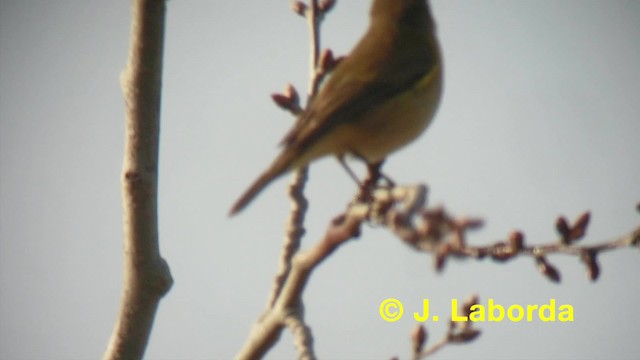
351 91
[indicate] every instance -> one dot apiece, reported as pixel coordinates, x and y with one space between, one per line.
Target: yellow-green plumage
378 99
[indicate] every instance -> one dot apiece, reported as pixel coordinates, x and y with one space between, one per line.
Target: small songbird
379 98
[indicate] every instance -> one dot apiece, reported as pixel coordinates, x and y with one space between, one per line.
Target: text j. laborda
392 310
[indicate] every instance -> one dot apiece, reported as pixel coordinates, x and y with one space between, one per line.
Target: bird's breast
397 121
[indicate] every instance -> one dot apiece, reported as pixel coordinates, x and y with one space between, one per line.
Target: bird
379 98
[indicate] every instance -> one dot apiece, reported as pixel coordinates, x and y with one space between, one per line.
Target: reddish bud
326 5
465 309
466 335
299 8
291 93
471 223
288 100
579 228
516 241
588 257
563 229
326 62
419 338
281 100
441 257
469 335
547 269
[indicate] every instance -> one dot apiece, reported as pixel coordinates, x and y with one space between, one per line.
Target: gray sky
540 118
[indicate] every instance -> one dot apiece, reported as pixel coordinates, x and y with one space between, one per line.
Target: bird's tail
281 165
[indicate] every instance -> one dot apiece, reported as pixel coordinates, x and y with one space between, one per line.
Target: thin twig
284 304
295 223
295 232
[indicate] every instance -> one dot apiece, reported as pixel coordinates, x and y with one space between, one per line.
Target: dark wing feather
352 90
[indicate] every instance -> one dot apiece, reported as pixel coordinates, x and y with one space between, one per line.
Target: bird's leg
367 186
385 177
369 183
348 169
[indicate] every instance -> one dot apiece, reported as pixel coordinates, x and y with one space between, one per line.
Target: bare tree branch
146 274
287 309
285 304
403 211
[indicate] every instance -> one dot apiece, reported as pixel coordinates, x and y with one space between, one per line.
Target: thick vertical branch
146 274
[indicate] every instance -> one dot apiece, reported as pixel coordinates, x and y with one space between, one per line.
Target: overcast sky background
540 117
